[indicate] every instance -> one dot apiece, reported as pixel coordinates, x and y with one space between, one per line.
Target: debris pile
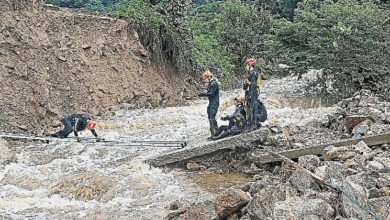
326 187
362 114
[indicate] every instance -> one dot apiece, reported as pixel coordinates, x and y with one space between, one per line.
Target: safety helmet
91 125
206 74
251 61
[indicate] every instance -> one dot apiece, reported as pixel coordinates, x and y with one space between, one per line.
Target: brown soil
54 62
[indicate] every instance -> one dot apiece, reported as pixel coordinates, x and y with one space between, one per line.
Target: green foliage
226 34
109 6
283 8
348 40
164 30
242 31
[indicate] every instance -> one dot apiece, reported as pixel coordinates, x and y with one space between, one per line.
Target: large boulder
200 211
302 181
380 207
301 208
260 207
309 162
230 201
360 195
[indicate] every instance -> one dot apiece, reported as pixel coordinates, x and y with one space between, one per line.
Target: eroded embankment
55 61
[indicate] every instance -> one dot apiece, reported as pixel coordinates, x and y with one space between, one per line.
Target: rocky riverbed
86 181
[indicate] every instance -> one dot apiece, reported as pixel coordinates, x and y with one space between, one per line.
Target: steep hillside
55 61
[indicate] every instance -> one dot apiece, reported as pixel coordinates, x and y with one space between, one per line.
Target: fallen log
315 177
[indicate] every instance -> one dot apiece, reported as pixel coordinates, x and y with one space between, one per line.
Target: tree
348 40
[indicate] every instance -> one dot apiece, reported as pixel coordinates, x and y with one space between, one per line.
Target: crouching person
75 123
237 122
260 113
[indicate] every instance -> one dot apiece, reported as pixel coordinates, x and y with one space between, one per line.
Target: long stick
315 177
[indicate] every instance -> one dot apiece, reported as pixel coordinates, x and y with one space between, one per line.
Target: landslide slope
55 61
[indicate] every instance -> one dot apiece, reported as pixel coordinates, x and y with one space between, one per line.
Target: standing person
252 90
213 95
75 123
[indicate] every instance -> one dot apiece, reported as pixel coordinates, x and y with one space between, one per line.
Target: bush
348 40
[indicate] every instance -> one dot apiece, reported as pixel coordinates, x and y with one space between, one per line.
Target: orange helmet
206 74
251 61
91 125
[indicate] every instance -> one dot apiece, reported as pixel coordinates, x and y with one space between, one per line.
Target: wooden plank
263 157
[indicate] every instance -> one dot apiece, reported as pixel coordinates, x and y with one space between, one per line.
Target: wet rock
279 139
201 211
374 193
5 153
302 181
335 169
230 201
380 207
383 160
309 162
175 205
302 208
362 148
175 214
246 186
233 217
245 217
259 185
351 122
338 153
275 129
195 167
359 194
374 165
260 207
372 154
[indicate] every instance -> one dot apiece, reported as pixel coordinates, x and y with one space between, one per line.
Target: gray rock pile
362 114
362 172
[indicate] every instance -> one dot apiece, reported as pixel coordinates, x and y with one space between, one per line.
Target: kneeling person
237 122
75 123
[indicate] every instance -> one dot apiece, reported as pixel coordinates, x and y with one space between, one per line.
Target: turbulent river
81 181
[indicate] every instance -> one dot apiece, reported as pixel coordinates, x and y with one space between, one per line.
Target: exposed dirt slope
55 61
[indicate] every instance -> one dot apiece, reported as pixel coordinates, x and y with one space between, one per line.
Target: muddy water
81 181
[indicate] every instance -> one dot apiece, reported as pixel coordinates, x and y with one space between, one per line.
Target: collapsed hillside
55 61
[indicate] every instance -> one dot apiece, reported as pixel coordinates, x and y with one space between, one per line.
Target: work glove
201 94
225 118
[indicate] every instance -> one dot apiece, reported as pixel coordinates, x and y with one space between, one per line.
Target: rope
353 201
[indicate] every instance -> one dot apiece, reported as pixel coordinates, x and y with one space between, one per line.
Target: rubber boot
213 126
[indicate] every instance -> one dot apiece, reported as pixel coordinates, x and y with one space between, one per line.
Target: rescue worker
252 90
75 123
237 121
260 113
213 95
